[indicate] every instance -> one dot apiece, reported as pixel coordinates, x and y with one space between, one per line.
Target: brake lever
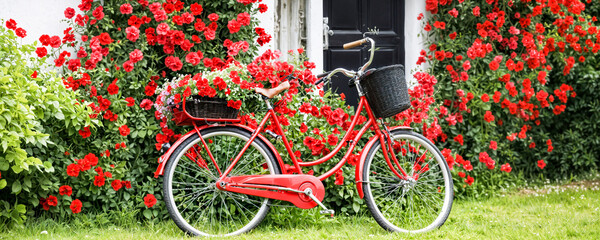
351 82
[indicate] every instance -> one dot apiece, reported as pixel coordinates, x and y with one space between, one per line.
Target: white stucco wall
413 43
267 21
37 17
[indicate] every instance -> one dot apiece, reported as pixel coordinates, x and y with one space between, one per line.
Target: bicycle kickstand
325 211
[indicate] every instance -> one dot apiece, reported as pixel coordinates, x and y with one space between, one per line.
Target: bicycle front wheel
419 202
192 199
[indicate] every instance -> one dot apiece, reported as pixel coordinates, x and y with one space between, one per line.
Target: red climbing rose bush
492 61
114 56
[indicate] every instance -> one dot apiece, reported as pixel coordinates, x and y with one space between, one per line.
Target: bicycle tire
228 218
393 202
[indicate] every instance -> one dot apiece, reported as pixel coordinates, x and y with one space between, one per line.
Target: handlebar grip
322 74
355 43
319 81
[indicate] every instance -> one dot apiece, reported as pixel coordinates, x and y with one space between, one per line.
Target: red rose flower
44 204
493 145
73 170
213 17
21 32
146 104
494 65
193 58
485 97
196 9
99 181
488 117
262 8
116 184
91 159
303 128
55 41
469 180
98 13
128 66
11 24
76 206
52 201
339 177
124 130
133 33
126 8
113 88
505 168
243 18
452 35
85 133
127 184
173 63
149 200
440 25
476 12
130 101
541 164
74 64
65 190
41 52
136 56
459 139
332 140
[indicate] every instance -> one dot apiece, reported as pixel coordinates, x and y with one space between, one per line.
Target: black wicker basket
386 90
214 108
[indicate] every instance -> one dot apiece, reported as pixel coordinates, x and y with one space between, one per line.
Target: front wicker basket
386 90
212 108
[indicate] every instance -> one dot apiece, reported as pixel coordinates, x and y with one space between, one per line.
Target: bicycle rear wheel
192 199
421 202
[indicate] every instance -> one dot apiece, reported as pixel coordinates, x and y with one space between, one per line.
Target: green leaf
16 187
355 207
3 165
2 183
147 213
21 209
59 115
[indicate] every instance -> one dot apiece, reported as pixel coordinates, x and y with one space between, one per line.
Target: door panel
349 19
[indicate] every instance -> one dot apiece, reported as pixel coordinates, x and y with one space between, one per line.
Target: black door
349 19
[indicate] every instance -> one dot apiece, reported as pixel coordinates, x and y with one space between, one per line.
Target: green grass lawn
550 212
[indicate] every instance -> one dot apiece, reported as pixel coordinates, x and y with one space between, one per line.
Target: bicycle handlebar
355 43
350 73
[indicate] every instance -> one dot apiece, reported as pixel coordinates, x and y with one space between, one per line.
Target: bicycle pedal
329 212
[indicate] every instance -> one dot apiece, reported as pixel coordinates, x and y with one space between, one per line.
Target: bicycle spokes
412 203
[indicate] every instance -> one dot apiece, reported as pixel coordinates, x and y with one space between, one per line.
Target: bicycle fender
162 160
363 156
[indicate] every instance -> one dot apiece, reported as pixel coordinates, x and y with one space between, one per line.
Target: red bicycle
219 179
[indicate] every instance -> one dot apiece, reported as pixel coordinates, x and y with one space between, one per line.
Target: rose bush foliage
501 89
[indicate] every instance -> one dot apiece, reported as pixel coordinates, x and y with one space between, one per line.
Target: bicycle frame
381 136
297 168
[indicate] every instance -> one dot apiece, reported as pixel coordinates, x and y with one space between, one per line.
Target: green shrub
34 105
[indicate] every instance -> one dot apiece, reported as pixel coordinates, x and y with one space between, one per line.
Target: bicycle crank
304 191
